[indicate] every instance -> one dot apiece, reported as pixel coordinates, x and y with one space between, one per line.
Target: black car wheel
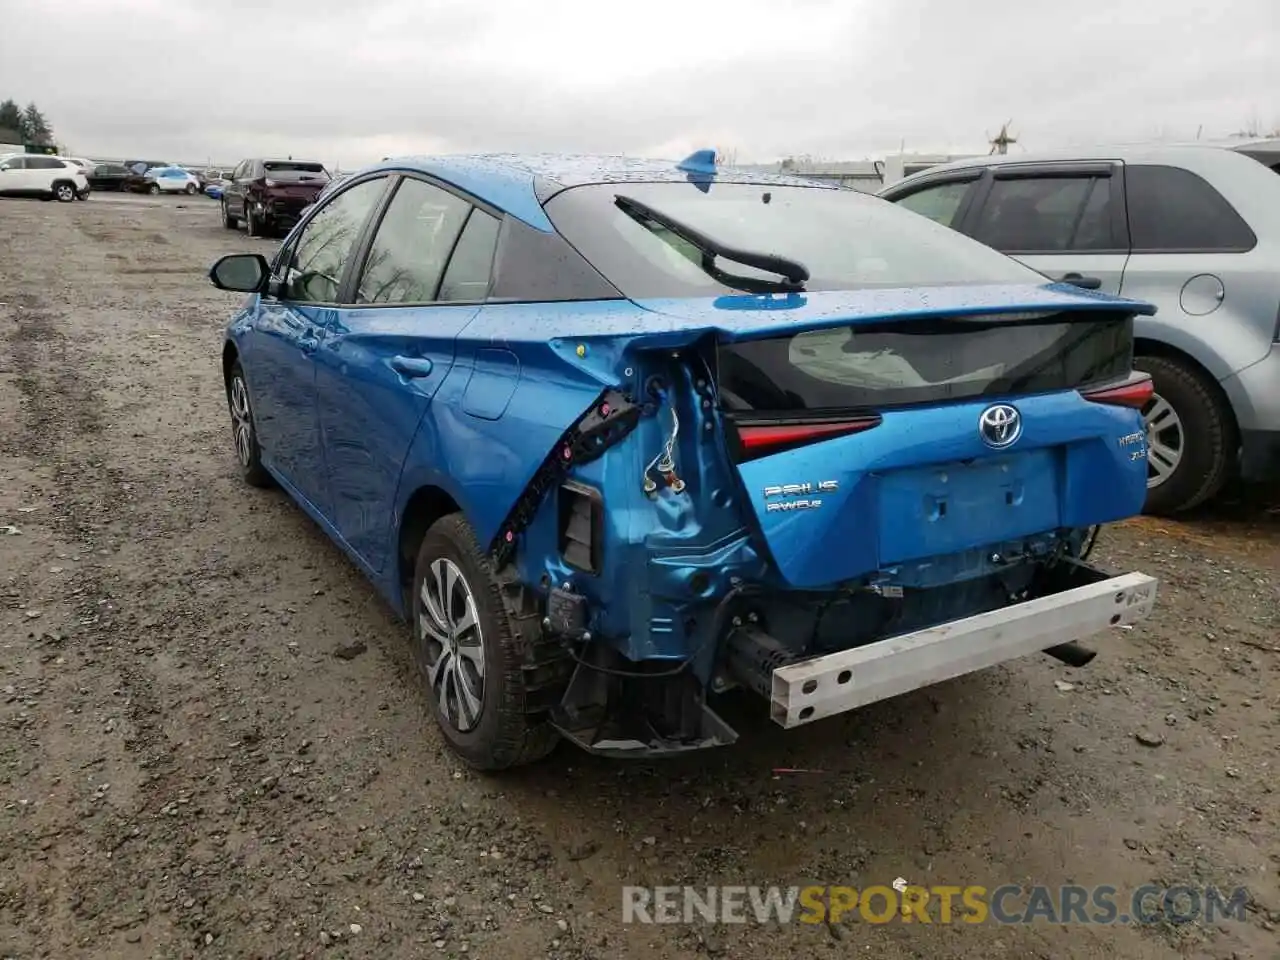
465 644
252 226
228 220
1190 437
153 189
244 430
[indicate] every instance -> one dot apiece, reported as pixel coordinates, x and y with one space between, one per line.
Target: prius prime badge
1000 426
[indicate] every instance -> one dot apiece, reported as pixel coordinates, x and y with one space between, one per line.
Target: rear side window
467 277
923 361
1047 215
1174 210
45 163
939 203
847 240
412 245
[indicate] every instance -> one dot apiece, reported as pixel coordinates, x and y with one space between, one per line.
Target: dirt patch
187 769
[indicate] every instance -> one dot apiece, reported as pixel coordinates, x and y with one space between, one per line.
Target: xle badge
802 491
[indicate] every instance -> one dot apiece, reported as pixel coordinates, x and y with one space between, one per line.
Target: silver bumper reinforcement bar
824 686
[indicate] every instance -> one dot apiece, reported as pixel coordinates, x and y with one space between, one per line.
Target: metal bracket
605 423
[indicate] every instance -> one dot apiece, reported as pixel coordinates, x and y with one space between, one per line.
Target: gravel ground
187 768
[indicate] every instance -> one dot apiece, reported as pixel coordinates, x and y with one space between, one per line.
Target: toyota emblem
1000 426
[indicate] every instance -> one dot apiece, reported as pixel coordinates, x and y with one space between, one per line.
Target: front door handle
1080 280
412 366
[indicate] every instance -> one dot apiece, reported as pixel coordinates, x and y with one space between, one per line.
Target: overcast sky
349 81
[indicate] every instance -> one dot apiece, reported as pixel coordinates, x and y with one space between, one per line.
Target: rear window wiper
794 272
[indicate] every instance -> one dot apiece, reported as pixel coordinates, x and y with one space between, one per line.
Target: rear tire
1190 437
64 191
483 714
153 189
191 190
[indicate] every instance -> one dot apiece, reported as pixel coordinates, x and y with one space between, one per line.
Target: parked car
1193 229
109 176
38 175
214 189
270 195
614 434
171 180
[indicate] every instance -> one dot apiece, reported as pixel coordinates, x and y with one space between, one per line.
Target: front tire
244 430
1190 437
466 647
252 226
228 221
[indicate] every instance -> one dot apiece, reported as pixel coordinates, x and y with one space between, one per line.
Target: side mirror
240 273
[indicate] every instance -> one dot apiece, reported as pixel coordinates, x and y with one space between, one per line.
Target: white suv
36 175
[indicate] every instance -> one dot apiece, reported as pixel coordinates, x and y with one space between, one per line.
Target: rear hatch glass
846 240
296 172
924 361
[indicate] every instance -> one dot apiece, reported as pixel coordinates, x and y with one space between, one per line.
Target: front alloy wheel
244 432
452 644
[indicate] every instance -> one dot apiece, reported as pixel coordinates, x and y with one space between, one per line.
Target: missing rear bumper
824 686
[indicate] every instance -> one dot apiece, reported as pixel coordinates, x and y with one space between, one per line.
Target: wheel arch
425 506
229 357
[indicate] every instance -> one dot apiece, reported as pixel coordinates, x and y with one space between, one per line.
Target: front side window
1045 215
845 239
313 267
412 245
939 203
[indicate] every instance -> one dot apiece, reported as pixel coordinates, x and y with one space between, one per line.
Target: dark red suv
269 195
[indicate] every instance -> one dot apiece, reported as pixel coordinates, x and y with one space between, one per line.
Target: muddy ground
186 769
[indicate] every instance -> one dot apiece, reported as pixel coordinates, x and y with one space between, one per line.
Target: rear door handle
412 366
1080 280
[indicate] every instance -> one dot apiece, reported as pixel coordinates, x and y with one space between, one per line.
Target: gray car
1193 229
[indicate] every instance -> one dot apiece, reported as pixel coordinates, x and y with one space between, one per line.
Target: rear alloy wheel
1190 434
466 649
244 431
64 192
191 190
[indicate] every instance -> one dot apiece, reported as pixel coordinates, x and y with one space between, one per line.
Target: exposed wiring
664 463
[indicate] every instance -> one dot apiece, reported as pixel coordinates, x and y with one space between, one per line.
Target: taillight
1136 392
761 439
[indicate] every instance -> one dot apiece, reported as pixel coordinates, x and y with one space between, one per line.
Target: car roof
519 184
1200 158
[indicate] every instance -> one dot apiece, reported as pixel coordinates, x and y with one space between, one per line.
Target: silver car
1193 229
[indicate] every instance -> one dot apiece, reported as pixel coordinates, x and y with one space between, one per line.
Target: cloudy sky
348 81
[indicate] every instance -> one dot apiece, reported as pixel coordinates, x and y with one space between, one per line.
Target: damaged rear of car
685 429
